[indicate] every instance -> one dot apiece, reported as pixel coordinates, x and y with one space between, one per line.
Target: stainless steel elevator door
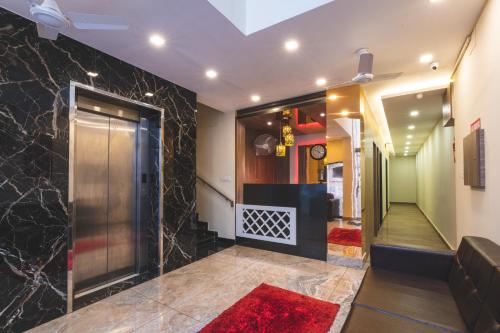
122 197
105 199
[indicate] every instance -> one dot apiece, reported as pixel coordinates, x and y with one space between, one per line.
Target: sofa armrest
435 264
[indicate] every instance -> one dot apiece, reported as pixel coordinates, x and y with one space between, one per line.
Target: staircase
208 241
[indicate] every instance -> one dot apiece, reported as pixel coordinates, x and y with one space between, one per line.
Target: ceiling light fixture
414 113
275 109
291 45
149 94
157 40
211 74
320 81
344 113
322 114
255 98
409 136
332 97
269 123
426 58
420 96
411 127
92 74
408 143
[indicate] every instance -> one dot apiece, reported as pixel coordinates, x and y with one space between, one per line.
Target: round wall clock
318 152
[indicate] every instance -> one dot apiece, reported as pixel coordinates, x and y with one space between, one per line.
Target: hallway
405 224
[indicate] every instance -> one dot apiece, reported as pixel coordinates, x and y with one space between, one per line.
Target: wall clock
318 152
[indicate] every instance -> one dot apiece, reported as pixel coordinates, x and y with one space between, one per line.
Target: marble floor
350 256
187 299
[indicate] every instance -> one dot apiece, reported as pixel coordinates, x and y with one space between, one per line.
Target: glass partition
344 176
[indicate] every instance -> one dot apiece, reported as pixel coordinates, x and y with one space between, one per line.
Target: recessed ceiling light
344 113
291 45
255 98
320 81
275 109
149 94
408 143
322 114
157 40
435 1
414 113
269 123
332 97
406 154
92 74
426 58
409 136
411 127
420 96
211 74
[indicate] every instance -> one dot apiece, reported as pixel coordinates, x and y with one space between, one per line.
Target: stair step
204 250
201 225
206 236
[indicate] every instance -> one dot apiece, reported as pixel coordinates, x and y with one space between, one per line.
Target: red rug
343 236
268 309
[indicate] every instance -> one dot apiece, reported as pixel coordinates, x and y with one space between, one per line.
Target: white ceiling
200 37
397 110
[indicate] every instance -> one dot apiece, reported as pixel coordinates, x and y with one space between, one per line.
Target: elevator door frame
74 86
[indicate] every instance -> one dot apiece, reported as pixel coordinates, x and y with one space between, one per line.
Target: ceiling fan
365 71
51 20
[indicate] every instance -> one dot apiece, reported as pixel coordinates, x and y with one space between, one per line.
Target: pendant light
280 148
287 129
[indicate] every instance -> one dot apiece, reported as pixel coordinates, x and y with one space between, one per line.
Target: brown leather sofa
411 290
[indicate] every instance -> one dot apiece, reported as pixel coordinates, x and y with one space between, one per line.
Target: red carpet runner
343 236
268 309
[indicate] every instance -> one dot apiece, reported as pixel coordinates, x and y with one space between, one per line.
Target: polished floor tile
405 224
186 299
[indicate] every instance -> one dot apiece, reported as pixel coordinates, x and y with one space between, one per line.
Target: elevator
105 200
111 190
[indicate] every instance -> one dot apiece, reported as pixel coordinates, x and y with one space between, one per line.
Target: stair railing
213 188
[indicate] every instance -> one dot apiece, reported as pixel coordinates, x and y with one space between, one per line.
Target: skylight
250 16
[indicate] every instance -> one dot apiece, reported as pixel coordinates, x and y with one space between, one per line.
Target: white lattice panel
267 223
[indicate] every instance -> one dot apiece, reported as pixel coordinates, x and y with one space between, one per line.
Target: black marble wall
34 92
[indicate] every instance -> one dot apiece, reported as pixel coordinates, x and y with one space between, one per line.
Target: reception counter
286 218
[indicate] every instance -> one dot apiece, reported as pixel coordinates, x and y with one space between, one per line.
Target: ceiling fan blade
97 22
386 76
46 32
342 84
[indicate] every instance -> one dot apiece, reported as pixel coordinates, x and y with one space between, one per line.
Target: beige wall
477 94
372 134
215 156
403 176
436 182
